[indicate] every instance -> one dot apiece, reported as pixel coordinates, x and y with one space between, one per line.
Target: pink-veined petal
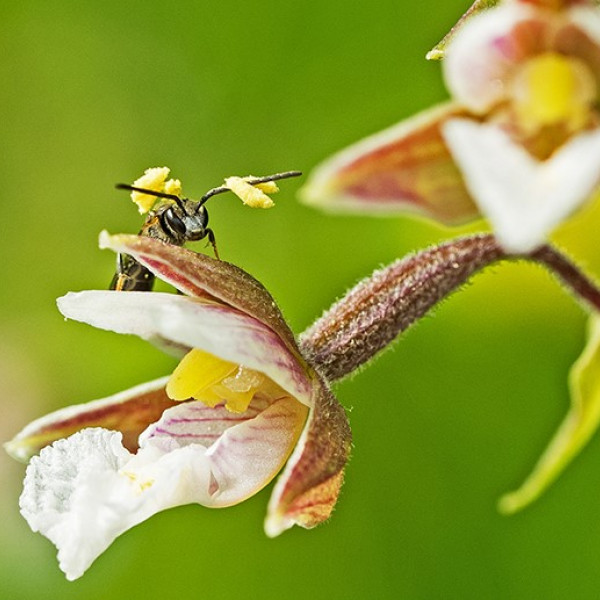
524 198
129 412
196 423
201 276
245 450
306 492
575 431
193 323
479 60
406 168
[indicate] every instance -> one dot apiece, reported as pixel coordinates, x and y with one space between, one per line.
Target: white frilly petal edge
523 198
191 322
75 495
86 490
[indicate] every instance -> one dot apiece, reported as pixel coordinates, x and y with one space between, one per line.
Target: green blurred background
95 92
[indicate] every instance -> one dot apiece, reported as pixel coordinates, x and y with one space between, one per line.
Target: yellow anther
172 186
551 89
211 380
197 372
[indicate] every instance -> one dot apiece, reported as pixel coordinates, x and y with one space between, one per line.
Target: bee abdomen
131 276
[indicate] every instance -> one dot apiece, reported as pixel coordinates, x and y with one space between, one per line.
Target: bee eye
174 222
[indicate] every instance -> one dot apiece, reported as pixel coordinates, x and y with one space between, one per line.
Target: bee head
185 221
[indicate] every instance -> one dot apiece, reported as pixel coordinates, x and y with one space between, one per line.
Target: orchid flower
245 398
519 143
242 402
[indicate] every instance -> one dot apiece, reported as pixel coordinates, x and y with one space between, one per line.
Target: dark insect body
177 222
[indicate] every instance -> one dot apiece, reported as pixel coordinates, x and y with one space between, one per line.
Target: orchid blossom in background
518 144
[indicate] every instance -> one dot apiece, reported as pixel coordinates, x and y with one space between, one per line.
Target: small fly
177 222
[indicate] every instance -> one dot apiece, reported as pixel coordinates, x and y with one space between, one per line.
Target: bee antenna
125 186
252 181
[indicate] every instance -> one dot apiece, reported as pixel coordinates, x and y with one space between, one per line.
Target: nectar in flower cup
177 220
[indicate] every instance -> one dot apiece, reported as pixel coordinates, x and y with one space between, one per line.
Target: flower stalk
379 308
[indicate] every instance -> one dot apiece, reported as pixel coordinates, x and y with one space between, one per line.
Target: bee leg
211 238
119 277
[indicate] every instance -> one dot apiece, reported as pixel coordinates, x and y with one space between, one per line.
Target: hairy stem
373 313
581 285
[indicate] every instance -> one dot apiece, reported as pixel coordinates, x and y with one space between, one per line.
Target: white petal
84 491
523 198
482 53
215 328
586 18
247 457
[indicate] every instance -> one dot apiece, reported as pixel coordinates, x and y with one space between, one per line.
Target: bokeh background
95 92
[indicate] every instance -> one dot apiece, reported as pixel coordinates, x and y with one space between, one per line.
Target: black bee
177 222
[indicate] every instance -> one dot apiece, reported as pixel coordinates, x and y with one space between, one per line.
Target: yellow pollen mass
203 376
551 89
197 371
268 187
152 179
250 195
172 186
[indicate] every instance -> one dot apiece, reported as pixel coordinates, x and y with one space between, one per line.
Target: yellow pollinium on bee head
551 89
253 195
154 179
203 376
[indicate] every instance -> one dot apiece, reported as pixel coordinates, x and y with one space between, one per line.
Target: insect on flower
177 220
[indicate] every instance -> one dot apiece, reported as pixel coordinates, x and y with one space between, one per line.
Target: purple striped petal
245 451
406 168
129 412
196 423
